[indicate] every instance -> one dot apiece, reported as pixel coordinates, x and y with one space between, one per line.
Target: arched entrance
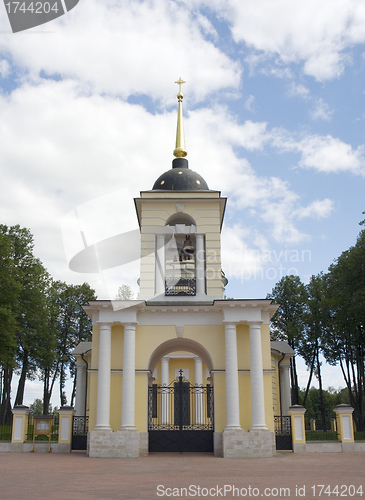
181 413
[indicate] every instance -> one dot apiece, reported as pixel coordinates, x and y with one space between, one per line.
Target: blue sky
274 118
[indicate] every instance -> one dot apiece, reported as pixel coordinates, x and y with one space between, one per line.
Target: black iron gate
180 417
283 434
79 433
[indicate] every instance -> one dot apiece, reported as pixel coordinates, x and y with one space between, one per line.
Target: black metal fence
180 405
282 425
80 428
283 437
6 431
359 421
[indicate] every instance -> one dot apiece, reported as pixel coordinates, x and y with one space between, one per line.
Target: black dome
180 178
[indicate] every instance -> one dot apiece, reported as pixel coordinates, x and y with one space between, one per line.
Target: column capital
230 323
130 325
105 323
255 323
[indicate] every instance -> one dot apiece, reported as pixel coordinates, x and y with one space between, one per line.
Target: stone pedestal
296 413
125 443
253 444
233 443
345 427
65 428
20 424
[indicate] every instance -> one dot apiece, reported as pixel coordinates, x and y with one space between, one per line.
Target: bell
188 248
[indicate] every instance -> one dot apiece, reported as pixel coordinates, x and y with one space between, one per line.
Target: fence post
296 413
345 426
20 426
66 414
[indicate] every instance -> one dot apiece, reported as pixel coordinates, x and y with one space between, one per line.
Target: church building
181 368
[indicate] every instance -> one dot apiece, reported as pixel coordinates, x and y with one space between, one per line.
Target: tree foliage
327 318
41 321
287 323
125 292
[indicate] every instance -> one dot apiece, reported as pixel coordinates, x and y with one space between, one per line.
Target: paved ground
39 476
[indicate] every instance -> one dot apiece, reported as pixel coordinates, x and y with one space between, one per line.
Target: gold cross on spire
180 82
180 150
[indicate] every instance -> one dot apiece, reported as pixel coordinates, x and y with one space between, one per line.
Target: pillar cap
343 408
296 410
21 409
66 410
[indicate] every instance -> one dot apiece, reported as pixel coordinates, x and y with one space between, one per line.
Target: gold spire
180 150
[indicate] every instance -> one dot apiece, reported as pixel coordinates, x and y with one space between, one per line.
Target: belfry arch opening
180 218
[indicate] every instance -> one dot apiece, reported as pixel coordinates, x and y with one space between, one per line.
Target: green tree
29 311
125 292
10 288
73 326
288 321
317 320
315 402
347 298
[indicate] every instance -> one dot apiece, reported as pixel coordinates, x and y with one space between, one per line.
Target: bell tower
180 221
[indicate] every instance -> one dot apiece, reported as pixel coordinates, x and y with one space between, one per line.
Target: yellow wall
148 338
219 384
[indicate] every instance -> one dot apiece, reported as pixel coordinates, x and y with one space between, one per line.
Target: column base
258 428
127 428
255 443
102 428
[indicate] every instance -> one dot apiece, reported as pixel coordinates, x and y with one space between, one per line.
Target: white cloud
318 209
126 47
299 90
250 103
4 68
329 154
323 153
317 34
321 111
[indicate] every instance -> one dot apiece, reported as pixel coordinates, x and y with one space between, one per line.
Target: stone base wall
143 444
40 447
330 447
120 444
218 444
240 444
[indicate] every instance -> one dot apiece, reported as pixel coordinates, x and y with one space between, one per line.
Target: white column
257 378
129 377
199 410
80 388
232 393
160 265
200 265
285 394
165 414
103 398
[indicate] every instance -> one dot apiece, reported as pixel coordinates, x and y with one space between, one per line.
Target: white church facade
181 368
